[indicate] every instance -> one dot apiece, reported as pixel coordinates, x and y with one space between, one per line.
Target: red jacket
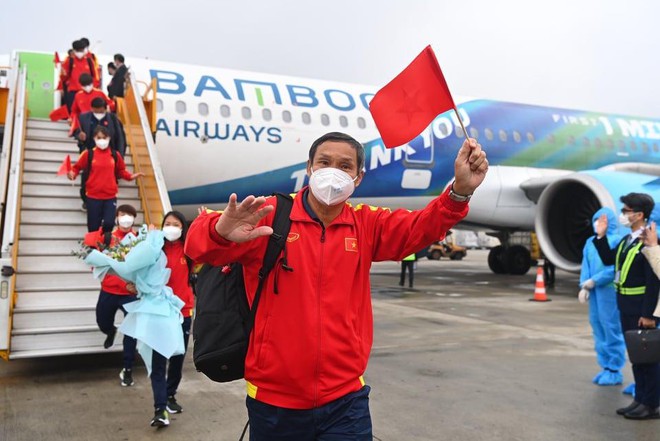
83 103
73 70
111 283
102 180
311 341
180 276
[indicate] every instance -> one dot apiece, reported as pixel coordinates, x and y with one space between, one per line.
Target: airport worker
313 329
73 67
637 295
115 293
651 251
101 188
165 377
99 116
116 86
597 287
82 102
408 263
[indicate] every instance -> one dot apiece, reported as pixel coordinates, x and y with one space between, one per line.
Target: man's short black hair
119 57
85 79
78 46
85 41
340 137
640 202
99 102
111 65
128 209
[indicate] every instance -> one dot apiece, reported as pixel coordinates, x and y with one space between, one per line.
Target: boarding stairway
50 308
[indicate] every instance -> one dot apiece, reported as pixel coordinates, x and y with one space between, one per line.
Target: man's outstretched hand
238 222
470 167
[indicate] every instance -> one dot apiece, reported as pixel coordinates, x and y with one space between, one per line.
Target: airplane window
633 145
159 105
474 133
203 109
610 144
599 143
645 147
325 119
530 137
343 121
516 136
489 134
551 138
286 116
459 132
267 114
571 140
246 112
655 147
180 107
443 129
622 145
306 117
225 111
362 123
503 136
586 142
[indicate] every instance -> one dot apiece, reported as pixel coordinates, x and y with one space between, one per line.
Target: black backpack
223 319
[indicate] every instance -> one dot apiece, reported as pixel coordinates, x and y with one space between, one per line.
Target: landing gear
509 259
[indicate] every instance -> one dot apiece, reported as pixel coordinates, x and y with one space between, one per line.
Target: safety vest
411 257
623 270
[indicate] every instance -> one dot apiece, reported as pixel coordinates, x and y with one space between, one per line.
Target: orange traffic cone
539 289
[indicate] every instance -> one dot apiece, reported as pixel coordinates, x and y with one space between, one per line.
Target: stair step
46 217
59 248
42 133
62 232
33 123
96 349
56 157
53 300
48 264
80 281
59 343
28 322
42 190
62 204
66 146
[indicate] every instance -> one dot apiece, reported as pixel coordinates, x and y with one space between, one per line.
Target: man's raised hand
470 167
238 222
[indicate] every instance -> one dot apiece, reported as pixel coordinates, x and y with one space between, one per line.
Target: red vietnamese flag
407 104
65 167
60 113
56 58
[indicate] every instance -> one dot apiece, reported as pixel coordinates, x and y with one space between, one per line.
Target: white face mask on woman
125 220
171 232
331 185
102 143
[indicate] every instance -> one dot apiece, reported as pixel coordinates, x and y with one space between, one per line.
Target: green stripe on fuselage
40 79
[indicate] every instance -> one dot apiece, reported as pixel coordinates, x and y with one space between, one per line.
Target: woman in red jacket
164 384
101 186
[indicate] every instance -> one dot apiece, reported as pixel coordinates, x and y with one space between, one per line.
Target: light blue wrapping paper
155 318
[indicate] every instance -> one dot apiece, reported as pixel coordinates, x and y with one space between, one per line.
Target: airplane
221 131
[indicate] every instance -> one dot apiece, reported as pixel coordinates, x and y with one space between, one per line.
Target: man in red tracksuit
83 100
310 343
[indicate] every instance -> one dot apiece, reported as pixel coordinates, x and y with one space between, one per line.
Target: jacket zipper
318 321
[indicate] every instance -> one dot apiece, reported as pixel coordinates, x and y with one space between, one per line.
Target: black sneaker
110 339
126 376
173 406
160 419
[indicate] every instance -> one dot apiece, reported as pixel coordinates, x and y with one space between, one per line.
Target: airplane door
418 161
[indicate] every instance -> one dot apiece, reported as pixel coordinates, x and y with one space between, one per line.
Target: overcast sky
599 55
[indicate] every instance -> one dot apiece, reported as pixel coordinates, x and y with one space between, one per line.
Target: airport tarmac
463 355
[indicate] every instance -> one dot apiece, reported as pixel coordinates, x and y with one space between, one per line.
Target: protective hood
612 222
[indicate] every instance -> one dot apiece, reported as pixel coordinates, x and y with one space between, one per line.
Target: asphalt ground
463 356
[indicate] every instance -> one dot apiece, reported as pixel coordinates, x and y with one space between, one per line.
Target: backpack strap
281 226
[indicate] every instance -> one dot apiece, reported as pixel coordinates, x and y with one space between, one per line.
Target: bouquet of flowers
155 318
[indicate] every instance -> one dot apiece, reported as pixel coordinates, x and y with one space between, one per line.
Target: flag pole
461 123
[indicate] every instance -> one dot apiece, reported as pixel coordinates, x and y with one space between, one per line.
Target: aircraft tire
496 261
518 259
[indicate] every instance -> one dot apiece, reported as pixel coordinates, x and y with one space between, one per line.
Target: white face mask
596 227
88 88
624 220
331 185
125 220
171 232
79 54
99 116
102 143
